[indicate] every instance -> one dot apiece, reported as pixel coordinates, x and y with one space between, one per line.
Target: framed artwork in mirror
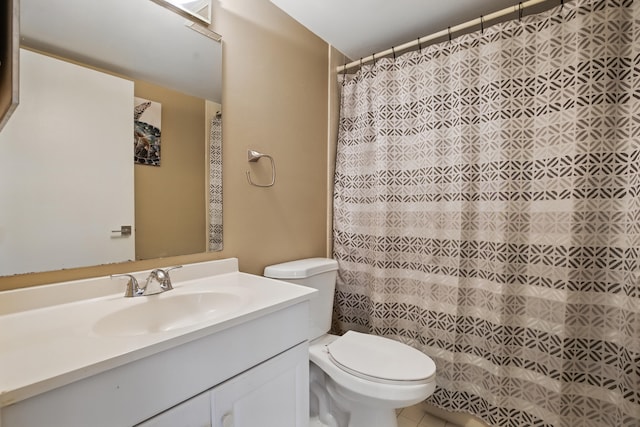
147 119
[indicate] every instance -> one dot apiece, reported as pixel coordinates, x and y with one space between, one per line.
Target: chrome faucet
157 282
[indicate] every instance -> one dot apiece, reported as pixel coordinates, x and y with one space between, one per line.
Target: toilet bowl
371 397
356 380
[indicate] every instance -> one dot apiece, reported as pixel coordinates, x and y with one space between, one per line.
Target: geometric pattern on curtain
487 212
214 182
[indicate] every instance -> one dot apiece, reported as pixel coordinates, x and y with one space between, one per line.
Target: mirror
165 56
135 38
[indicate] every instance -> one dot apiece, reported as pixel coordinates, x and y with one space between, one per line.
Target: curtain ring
394 52
520 12
374 59
449 32
419 45
481 24
360 62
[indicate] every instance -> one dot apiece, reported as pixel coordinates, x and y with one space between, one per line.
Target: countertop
44 345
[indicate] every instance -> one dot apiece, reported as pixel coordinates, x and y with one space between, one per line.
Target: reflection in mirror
128 40
9 63
134 38
197 10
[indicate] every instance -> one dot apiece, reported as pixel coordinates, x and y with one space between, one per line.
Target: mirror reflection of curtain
214 226
486 211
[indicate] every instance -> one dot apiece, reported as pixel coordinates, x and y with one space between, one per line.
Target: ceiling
359 28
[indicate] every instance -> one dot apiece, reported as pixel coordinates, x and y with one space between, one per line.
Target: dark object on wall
9 56
147 119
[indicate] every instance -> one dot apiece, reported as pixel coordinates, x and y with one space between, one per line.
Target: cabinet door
195 412
272 394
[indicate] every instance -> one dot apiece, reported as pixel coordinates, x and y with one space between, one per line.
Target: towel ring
253 156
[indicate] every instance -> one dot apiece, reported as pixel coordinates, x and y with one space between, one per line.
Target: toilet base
314 421
372 417
360 414
370 420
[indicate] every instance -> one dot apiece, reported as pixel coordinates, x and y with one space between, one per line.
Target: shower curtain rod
474 22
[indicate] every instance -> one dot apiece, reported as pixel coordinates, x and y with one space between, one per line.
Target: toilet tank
317 273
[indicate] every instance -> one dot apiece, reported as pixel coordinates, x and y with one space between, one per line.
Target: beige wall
275 75
274 101
170 202
336 58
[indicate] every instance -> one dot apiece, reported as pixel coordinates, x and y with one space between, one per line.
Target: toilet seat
368 391
380 359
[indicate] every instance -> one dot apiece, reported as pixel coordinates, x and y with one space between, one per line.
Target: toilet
356 380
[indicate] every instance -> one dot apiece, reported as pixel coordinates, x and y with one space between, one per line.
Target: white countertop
43 346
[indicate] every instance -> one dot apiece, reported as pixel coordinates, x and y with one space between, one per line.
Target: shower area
487 212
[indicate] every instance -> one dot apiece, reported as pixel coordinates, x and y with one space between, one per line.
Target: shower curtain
487 212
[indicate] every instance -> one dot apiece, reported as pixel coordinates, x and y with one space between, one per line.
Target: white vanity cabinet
246 368
195 412
256 363
272 394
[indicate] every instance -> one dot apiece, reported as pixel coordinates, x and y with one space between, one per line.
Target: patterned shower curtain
487 212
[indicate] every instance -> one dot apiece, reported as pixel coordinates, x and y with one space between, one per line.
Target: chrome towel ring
253 156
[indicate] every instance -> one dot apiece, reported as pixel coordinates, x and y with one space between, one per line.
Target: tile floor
415 416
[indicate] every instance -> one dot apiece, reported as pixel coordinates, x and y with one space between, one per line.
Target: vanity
223 348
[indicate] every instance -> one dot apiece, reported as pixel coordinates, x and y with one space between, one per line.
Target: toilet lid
380 359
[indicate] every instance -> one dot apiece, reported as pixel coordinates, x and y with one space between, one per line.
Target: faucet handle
167 270
165 282
161 278
133 289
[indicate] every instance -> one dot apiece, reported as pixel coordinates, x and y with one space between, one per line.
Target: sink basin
167 312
